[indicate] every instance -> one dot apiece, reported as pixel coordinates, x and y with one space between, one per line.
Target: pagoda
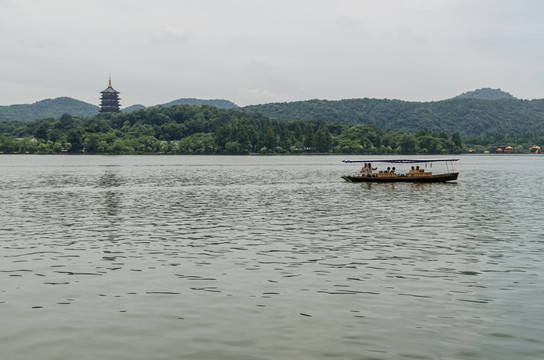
109 102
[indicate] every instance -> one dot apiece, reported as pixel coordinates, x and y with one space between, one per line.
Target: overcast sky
256 51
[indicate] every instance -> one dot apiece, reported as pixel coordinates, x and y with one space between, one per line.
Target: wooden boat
415 177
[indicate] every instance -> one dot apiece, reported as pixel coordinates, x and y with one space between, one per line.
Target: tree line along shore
191 129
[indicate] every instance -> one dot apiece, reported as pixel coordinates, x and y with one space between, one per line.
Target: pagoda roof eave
110 90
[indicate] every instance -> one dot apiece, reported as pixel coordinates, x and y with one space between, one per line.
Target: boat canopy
398 161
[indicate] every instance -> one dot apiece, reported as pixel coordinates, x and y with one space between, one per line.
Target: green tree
8 145
55 135
429 144
457 139
73 136
41 132
408 144
309 137
90 142
270 139
323 139
66 122
233 148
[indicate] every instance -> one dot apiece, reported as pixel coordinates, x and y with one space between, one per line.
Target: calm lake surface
209 257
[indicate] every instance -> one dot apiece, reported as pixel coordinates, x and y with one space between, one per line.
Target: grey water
256 257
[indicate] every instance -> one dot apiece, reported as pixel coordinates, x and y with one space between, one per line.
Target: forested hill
478 113
468 116
47 108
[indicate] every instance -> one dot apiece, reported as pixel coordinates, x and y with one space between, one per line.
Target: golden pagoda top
110 88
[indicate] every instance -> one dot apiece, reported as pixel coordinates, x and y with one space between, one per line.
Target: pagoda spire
109 84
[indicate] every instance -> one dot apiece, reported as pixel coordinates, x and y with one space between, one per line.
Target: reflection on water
267 258
110 181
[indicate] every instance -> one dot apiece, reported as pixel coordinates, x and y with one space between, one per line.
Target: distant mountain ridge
65 105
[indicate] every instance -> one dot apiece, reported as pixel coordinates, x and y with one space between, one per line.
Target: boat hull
413 179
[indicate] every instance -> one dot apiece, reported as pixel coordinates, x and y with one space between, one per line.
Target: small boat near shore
415 176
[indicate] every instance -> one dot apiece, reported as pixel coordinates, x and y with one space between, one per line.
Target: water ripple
268 258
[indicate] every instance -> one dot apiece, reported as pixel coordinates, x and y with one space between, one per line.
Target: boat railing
426 173
386 175
393 175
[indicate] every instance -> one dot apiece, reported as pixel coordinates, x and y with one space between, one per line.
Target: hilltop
218 103
47 108
486 94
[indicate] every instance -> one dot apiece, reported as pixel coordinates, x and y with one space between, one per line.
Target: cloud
427 4
249 51
261 96
348 22
169 34
260 66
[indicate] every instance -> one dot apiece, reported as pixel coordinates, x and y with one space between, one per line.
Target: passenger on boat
367 170
393 170
370 169
412 171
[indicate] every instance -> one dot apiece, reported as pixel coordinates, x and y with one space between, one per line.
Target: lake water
209 257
